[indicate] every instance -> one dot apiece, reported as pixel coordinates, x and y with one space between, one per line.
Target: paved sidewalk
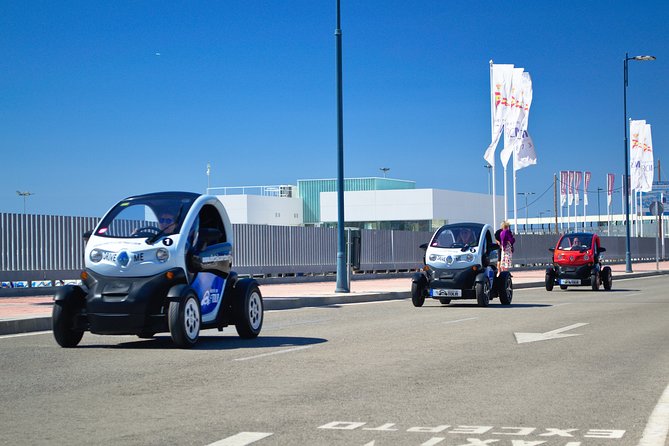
33 313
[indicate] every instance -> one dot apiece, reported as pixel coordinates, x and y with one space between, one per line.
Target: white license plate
570 282
446 293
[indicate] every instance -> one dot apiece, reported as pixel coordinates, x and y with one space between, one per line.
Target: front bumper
454 279
128 305
572 274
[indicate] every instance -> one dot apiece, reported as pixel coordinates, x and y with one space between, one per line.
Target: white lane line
655 433
278 352
460 320
241 439
19 335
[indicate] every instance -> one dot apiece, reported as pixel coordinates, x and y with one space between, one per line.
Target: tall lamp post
489 167
628 256
525 194
342 273
24 195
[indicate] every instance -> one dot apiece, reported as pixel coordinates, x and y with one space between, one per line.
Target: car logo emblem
123 259
167 241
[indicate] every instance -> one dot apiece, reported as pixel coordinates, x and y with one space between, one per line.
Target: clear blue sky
104 99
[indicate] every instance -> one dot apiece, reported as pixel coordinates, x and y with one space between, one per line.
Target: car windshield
576 242
453 236
144 217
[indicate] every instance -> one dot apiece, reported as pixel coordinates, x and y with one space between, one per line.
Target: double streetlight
626 185
24 195
525 194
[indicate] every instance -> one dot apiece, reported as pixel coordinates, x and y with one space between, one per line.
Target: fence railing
51 248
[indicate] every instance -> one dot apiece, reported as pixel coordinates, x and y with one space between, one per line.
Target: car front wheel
607 278
505 288
417 294
483 293
184 319
62 320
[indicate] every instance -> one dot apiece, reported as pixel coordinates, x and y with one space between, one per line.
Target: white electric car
461 263
156 263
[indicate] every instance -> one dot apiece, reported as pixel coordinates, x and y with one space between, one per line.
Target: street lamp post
24 195
628 256
599 213
489 167
342 272
525 194
384 170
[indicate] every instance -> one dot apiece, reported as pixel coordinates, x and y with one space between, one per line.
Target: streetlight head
643 58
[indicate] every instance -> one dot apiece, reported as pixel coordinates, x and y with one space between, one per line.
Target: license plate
570 282
446 293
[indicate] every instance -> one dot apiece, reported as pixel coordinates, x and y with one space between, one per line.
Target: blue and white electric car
461 263
156 263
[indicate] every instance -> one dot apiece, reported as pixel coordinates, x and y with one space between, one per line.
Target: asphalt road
374 374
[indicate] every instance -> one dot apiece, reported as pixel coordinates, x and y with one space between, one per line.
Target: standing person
507 240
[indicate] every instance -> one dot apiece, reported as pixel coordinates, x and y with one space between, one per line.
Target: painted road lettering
571 436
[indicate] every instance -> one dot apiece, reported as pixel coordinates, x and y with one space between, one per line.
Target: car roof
165 195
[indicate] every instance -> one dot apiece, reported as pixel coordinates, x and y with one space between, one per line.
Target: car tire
445 301
482 293
184 319
248 309
607 278
62 322
595 280
550 282
504 288
417 294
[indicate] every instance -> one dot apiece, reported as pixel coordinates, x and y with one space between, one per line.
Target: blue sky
104 99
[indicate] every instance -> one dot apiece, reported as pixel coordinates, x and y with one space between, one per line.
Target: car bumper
453 279
573 275
128 305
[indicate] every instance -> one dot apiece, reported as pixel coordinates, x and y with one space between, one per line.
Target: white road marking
655 433
278 352
241 439
553 334
19 335
461 320
372 302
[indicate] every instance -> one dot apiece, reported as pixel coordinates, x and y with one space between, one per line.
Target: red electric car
577 261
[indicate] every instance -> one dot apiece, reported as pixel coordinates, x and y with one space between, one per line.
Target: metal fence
50 248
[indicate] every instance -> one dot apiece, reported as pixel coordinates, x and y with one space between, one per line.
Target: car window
144 218
456 237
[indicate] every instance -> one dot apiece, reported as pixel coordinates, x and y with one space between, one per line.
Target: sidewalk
33 313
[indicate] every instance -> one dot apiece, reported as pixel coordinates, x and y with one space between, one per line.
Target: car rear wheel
184 319
417 294
248 308
505 288
607 278
483 293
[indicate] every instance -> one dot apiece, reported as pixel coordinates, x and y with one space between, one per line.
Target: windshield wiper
154 238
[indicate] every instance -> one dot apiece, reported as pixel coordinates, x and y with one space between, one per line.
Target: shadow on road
205 342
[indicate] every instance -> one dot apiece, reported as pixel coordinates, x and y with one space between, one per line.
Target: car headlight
162 254
95 255
433 257
586 257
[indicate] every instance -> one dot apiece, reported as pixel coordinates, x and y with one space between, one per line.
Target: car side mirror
494 247
423 246
87 235
601 249
551 249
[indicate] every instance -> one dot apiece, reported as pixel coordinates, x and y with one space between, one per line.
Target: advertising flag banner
570 186
578 175
524 148
610 179
586 184
637 138
513 116
502 76
647 164
563 187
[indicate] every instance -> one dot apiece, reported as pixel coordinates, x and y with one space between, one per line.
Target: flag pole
492 132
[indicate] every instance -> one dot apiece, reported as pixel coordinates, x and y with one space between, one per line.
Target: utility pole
555 201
